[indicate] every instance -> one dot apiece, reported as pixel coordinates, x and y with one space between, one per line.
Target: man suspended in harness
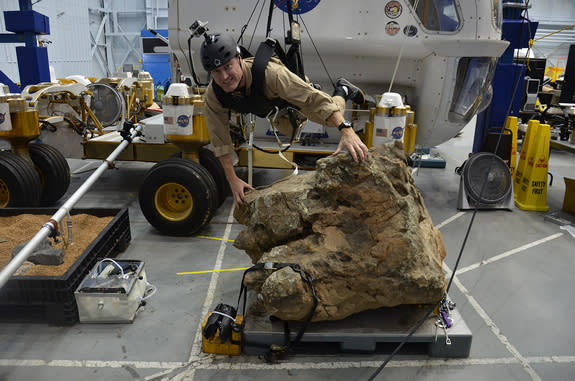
234 87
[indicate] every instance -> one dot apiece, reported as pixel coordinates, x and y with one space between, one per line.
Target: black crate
51 298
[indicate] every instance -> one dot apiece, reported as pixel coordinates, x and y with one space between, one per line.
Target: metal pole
50 226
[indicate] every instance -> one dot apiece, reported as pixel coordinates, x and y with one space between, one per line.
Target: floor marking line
494 328
552 359
211 271
91 364
261 365
362 364
160 375
216 238
208 301
508 253
449 220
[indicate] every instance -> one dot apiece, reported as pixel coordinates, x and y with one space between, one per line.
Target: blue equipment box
26 21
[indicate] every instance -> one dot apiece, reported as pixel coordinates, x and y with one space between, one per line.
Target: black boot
353 92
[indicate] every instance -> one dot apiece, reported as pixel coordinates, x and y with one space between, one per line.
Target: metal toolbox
112 292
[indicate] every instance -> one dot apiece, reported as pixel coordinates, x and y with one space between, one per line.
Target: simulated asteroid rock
360 229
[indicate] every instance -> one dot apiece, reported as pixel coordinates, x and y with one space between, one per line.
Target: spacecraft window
438 15
474 76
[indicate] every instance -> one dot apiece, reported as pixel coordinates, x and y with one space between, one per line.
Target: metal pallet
366 332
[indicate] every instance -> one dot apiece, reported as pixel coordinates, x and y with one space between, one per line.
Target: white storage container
178 110
389 120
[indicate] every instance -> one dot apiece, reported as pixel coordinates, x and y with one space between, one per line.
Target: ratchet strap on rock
278 351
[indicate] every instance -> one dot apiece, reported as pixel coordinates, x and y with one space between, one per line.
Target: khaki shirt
280 83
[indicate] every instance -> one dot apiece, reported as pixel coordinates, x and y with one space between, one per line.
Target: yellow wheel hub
4 194
173 202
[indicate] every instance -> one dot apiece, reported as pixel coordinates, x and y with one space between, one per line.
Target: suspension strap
275 351
265 51
270 13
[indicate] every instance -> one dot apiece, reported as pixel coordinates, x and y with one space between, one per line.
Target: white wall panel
119 43
157 14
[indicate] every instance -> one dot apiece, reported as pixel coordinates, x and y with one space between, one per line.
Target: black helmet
218 49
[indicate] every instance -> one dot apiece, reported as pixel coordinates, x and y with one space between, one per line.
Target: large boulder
360 229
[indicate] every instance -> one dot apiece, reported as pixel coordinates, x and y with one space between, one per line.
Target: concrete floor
514 289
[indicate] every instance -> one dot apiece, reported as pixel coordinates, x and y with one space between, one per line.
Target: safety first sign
531 174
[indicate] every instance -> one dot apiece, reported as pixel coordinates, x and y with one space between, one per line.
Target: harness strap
263 54
256 103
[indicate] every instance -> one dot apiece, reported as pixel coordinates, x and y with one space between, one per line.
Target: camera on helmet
198 28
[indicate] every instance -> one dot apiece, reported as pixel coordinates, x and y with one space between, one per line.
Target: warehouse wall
115 31
90 37
69 39
553 15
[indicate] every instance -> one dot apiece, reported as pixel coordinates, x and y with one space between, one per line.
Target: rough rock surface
43 254
360 229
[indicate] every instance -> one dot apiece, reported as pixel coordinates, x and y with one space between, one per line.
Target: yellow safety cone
511 124
531 194
531 127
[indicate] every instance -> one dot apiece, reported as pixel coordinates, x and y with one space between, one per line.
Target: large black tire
178 197
19 182
214 166
53 169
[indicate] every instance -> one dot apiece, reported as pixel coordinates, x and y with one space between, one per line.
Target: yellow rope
532 41
552 33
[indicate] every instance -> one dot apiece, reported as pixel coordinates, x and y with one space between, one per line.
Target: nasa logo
397 133
2 118
297 7
183 120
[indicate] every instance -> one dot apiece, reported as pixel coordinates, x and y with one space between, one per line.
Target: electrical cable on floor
428 313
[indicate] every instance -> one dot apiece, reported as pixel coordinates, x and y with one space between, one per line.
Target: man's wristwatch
344 124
